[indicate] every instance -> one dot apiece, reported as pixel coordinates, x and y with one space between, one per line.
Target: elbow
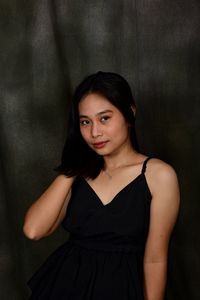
30 233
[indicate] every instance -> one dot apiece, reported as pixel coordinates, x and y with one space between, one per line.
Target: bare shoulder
160 170
160 175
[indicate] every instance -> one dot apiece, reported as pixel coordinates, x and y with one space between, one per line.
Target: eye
105 118
84 122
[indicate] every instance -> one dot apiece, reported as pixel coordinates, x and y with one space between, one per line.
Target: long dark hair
77 157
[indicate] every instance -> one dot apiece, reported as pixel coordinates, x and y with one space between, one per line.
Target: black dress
103 257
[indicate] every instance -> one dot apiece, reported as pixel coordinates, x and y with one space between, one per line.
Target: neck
113 162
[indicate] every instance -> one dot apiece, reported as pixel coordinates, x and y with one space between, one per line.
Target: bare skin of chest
108 185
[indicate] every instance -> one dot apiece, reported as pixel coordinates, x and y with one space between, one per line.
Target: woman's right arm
47 212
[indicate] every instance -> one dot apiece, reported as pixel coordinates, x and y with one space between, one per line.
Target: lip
99 145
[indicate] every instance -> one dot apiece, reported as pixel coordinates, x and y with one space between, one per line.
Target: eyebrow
99 113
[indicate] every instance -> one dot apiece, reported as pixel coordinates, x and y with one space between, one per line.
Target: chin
101 151
104 152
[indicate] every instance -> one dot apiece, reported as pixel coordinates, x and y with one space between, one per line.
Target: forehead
94 103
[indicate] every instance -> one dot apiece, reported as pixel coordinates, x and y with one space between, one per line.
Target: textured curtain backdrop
47 47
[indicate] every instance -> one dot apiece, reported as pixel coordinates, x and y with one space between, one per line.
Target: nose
96 130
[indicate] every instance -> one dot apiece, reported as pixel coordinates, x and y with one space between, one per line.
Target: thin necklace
109 176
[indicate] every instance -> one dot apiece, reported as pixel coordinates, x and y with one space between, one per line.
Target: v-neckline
116 195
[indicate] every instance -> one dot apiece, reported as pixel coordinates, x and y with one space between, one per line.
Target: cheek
84 133
119 128
120 131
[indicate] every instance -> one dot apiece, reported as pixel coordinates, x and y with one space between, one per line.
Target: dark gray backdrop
46 48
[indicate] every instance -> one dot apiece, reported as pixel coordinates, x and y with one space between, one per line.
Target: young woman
119 205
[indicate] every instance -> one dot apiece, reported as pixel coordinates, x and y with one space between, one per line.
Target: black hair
77 157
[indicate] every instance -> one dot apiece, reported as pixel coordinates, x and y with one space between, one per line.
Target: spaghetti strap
144 164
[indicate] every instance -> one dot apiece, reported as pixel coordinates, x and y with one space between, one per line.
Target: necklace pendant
108 175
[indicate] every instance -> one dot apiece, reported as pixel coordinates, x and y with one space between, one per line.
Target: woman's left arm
163 214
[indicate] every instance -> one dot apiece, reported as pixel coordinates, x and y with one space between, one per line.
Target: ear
133 108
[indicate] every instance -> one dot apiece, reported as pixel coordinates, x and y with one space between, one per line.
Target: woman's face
102 125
